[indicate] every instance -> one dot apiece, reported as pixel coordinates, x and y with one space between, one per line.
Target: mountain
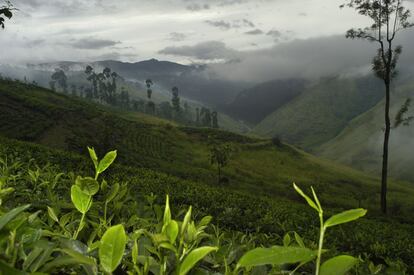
360 143
194 82
322 110
254 104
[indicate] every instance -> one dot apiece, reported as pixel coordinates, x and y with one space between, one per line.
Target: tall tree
149 83
175 100
5 13
93 78
214 118
60 78
198 116
388 17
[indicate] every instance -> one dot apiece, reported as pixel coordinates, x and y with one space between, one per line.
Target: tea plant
102 226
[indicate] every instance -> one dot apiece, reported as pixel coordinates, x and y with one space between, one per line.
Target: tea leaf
167 211
88 185
339 265
276 255
93 156
112 247
309 200
106 161
194 257
81 200
52 214
6 218
171 230
345 217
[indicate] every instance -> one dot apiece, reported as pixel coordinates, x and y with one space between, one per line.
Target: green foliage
343 263
112 247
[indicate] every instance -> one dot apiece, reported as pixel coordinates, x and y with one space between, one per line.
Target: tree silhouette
60 78
214 118
5 13
388 17
93 78
220 156
149 83
113 87
175 100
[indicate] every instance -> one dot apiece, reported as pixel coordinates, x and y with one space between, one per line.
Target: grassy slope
259 192
40 116
360 143
321 111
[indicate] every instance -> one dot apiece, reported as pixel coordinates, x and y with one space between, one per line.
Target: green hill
38 115
160 157
360 143
321 111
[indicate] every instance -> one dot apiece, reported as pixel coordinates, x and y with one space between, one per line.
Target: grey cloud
91 43
198 7
274 33
255 32
305 14
310 58
235 24
177 36
209 51
219 24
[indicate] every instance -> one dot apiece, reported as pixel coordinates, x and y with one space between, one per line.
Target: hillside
256 103
41 116
155 156
360 143
321 111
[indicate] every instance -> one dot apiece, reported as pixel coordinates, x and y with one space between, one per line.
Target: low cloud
91 43
219 24
255 32
177 36
207 51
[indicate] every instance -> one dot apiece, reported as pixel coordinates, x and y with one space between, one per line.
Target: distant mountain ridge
320 112
254 104
193 81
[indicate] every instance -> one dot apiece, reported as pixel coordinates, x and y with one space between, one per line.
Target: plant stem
320 246
79 227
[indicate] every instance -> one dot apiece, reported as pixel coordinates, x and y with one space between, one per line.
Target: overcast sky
185 31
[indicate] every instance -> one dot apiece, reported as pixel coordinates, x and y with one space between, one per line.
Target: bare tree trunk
385 149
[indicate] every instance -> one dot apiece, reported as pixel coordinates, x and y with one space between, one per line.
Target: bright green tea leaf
309 200
339 265
112 247
93 156
167 211
194 257
81 200
345 217
106 161
186 220
88 185
171 230
276 255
